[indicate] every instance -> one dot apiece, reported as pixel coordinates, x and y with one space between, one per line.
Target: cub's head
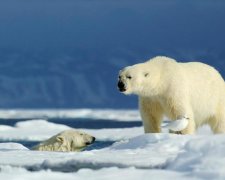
140 79
74 140
68 140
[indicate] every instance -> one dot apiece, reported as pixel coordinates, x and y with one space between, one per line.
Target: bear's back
199 70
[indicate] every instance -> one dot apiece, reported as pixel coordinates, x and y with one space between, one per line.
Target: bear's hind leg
178 112
217 124
190 129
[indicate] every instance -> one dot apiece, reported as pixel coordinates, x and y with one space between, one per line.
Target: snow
27 130
103 174
134 155
145 151
12 146
204 157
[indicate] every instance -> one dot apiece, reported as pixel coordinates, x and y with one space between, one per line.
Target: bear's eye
146 74
128 77
81 134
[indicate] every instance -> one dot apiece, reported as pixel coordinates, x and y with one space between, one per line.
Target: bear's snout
121 86
92 141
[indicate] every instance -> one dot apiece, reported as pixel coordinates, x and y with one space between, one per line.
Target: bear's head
73 140
68 140
141 79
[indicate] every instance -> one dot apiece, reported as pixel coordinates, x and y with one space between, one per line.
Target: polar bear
68 140
193 91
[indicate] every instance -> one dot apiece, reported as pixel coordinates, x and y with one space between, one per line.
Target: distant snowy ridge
111 114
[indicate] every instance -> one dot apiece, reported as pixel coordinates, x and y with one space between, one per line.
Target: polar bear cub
189 92
68 140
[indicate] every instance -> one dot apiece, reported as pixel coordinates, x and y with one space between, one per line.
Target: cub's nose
92 141
121 86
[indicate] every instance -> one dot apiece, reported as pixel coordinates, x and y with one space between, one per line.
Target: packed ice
133 153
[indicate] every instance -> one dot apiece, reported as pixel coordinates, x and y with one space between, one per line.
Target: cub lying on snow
68 140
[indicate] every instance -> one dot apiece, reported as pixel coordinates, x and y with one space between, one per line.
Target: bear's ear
60 139
146 74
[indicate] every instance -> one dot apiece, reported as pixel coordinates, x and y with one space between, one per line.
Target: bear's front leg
151 114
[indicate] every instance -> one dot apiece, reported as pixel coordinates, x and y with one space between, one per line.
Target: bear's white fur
193 90
68 140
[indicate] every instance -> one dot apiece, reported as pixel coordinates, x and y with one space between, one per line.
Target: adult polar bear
193 91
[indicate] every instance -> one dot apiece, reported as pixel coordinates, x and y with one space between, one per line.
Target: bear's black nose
121 86
92 141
